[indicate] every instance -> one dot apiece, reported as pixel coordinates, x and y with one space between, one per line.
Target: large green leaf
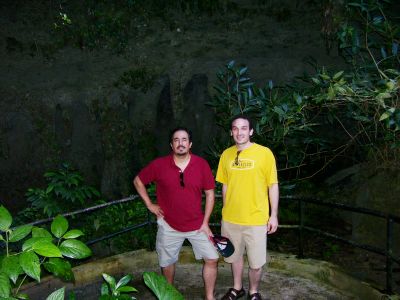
160 287
57 295
22 296
104 289
73 234
47 249
126 289
59 226
10 266
29 262
5 286
5 219
123 281
110 280
124 297
19 233
60 268
75 249
27 245
40 232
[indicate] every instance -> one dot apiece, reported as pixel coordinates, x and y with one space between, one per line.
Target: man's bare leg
169 273
237 271
254 279
210 269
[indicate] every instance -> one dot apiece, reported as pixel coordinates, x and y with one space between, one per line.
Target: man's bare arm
273 193
141 189
210 200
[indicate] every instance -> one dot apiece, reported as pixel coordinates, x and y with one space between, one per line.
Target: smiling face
241 132
180 143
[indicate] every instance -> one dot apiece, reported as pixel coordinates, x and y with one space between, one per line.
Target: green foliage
280 116
57 295
98 224
112 290
65 191
370 31
160 287
96 24
331 249
112 24
352 115
141 78
42 249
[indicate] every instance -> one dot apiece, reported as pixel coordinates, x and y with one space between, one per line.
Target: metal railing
301 227
389 218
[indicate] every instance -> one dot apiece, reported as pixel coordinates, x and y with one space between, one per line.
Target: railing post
301 224
389 252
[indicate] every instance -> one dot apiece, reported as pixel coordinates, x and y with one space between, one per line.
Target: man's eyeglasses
237 158
181 179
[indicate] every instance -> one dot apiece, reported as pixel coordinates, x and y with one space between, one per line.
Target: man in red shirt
180 179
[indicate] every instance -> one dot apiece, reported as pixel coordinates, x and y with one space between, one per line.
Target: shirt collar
191 161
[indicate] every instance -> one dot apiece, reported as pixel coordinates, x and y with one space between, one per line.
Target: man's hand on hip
206 229
156 209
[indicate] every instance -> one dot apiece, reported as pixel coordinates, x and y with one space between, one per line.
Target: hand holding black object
223 245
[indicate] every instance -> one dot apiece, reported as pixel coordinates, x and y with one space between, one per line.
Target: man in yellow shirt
250 194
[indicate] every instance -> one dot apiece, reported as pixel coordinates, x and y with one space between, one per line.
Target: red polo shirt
181 205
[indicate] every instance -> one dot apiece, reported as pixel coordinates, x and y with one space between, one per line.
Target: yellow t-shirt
246 201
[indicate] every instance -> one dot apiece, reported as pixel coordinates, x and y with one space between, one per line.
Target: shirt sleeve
208 178
221 172
148 174
273 174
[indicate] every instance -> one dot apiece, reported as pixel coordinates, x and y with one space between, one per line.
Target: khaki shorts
169 243
249 239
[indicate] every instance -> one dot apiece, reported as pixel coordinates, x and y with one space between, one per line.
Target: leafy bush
117 217
353 115
112 290
49 250
65 191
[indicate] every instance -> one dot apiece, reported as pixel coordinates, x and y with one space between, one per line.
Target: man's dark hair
244 117
172 132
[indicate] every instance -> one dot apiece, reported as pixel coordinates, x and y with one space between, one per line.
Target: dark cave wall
74 106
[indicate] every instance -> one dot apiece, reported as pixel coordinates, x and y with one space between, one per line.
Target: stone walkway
285 278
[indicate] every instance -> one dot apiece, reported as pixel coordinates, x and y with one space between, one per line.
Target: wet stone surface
284 277
189 282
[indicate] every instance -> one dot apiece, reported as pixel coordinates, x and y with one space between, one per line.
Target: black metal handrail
390 220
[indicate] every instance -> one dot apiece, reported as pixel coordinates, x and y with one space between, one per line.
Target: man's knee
211 262
255 270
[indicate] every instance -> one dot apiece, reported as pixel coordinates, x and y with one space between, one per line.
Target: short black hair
244 117
180 128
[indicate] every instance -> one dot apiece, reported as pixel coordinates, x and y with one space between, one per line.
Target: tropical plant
57 294
160 287
66 190
112 290
351 114
41 248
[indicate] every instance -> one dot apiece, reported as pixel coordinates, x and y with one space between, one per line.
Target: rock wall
110 114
